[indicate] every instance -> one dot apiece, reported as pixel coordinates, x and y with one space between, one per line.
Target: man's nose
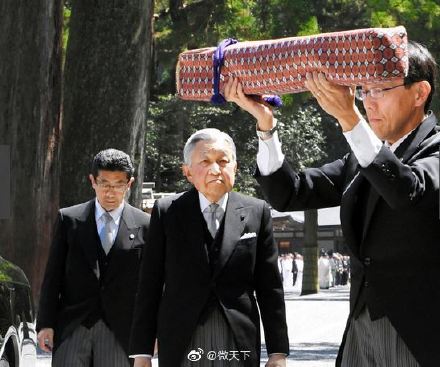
215 168
110 193
370 103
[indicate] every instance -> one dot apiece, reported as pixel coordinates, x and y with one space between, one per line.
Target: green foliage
309 27
292 18
66 20
302 136
239 21
382 19
67 11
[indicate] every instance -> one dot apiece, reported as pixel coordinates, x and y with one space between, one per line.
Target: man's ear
423 90
92 180
187 172
130 182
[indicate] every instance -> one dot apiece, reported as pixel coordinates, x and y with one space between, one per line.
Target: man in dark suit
88 291
210 265
388 190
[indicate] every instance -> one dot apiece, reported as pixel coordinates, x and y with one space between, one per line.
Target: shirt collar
204 202
394 146
116 213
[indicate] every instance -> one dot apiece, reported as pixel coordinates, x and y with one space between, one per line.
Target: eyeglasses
374 93
107 187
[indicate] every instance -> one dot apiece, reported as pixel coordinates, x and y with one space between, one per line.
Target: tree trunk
106 90
310 283
30 98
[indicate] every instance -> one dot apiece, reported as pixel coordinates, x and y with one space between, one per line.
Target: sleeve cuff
363 142
269 157
141 355
278 354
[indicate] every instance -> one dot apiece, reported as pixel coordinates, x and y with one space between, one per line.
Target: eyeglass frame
361 95
121 188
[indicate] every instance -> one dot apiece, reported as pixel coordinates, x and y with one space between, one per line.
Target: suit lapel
404 151
350 208
372 199
127 232
235 219
127 229
88 236
190 218
412 142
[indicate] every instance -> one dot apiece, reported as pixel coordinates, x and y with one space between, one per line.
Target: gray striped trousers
95 347
375 344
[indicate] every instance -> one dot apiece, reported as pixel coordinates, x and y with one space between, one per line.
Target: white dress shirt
362 140
116 215
204 202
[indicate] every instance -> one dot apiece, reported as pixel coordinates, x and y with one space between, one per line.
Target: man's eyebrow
106 181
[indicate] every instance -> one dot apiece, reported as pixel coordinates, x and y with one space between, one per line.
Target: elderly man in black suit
388 190
88 291
210 270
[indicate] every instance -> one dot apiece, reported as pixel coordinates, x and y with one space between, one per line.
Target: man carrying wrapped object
388 190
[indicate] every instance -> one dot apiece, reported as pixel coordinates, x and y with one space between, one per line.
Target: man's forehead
214 147
109 176
383 84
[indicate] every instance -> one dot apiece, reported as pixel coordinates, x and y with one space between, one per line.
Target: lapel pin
131 236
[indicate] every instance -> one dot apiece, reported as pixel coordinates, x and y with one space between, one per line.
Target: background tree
30 96
310 283
106 89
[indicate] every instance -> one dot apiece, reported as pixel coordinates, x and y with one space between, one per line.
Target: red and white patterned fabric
280 66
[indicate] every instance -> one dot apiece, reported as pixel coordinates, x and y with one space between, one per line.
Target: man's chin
109 206
215 195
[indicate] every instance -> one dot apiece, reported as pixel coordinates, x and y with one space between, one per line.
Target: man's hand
276 360
255 106
336 100
142 362
45 339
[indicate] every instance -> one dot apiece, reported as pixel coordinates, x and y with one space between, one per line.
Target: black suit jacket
176 280
398 224
71 289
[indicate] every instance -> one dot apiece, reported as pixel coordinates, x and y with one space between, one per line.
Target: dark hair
422 66
112 160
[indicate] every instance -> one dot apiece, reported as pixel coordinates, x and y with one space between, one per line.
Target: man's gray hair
207 135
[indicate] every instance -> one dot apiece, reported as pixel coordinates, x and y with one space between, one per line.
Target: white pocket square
248 235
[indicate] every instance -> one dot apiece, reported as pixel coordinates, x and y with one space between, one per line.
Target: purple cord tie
218 59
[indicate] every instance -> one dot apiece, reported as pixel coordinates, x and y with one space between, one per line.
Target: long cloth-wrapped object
280 66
